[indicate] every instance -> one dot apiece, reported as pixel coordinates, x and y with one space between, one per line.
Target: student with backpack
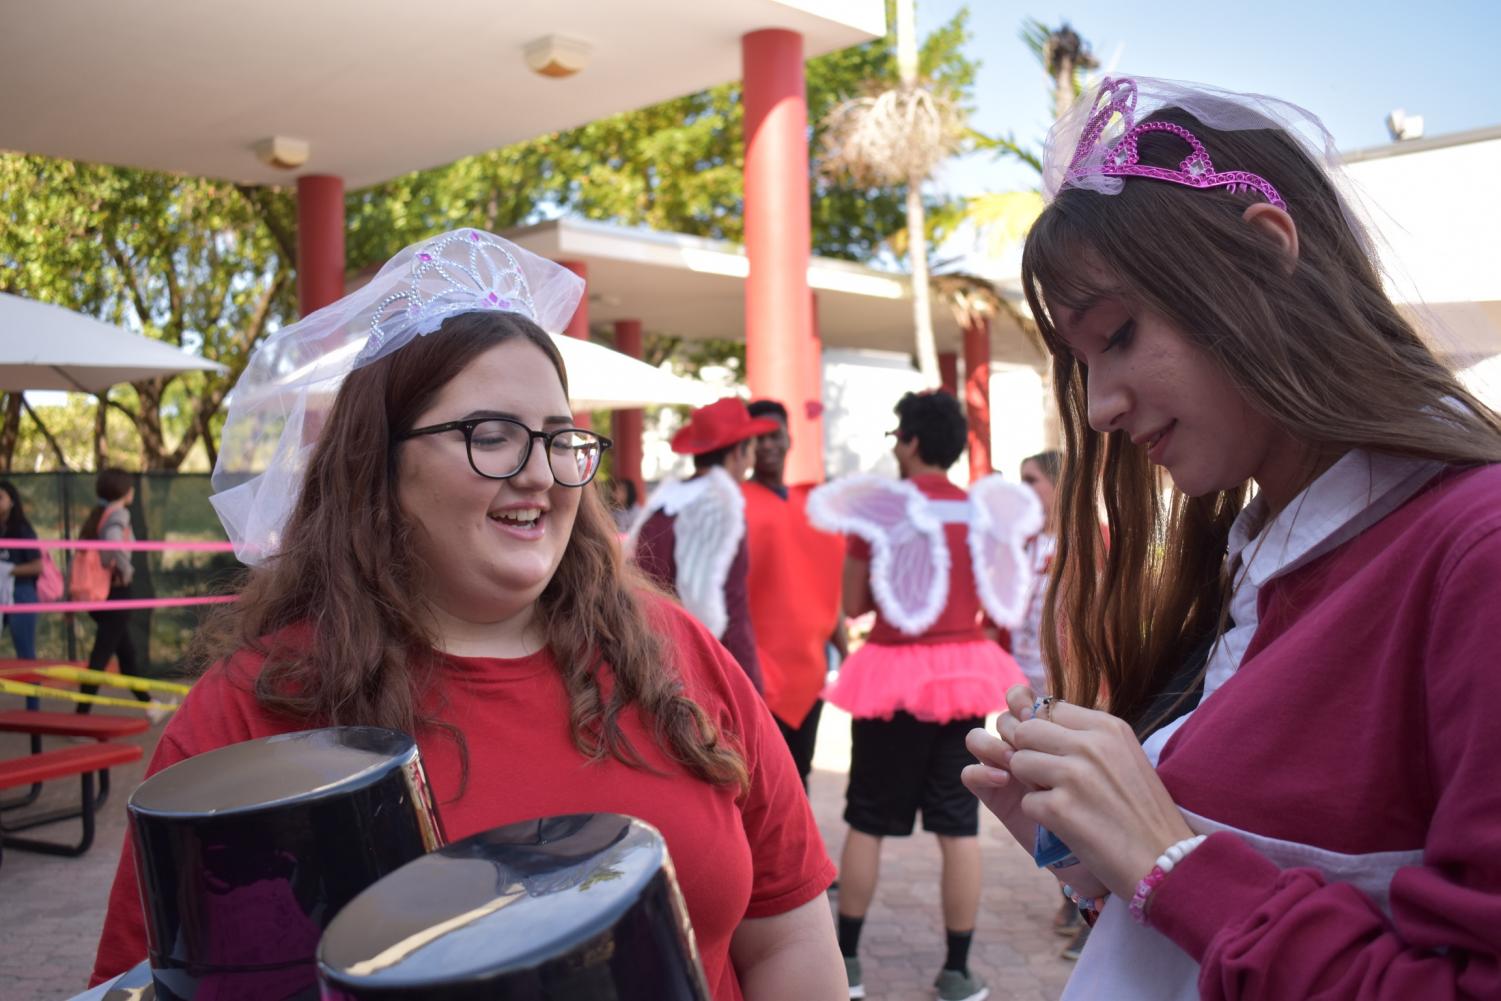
110 521
26 567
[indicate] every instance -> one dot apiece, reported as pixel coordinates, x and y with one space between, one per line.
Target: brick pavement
902 943
51 908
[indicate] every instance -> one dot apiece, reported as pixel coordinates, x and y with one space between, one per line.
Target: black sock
958 958
849 935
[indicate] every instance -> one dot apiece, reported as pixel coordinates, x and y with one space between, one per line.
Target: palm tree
1064 55
899 136
1005 216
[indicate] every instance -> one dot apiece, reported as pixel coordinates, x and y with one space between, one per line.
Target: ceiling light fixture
557 56
282 152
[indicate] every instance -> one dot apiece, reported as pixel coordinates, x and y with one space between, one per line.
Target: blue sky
1348 62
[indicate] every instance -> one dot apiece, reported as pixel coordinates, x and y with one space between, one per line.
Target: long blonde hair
1318 347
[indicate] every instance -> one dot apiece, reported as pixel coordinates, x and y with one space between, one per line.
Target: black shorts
903 764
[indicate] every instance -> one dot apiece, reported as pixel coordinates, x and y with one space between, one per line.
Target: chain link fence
172 507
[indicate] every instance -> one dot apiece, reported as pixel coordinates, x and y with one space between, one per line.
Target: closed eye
1122 336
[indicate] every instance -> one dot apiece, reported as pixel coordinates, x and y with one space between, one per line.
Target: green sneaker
852 974
955 986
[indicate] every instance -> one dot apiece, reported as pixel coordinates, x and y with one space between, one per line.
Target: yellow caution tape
83 676
42 691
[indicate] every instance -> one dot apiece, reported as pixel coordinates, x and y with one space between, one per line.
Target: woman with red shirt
442 567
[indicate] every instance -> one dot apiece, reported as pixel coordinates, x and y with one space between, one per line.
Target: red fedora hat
719 425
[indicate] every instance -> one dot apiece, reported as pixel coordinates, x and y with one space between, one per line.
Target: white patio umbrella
602 379
48 347
599 378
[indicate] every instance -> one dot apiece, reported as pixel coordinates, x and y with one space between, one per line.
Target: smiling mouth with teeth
522 516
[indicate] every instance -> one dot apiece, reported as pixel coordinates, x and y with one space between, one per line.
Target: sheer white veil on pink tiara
279 404
1064 164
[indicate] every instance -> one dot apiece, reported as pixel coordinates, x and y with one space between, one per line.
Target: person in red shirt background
795 573
690 538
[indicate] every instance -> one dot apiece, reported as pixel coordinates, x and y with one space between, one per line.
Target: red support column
627 424
320 241
778 235
948 371
579 326
812 395
977 395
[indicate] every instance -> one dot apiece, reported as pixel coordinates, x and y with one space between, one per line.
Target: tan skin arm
791 955
31 568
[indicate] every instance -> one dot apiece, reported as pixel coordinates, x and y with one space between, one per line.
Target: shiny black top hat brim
576 908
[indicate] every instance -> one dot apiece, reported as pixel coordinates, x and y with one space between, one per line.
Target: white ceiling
695 288
377 87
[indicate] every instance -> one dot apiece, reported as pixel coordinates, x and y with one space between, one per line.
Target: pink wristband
1165 864
1144 890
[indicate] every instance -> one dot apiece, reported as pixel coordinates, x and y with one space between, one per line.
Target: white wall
859 390
1017 405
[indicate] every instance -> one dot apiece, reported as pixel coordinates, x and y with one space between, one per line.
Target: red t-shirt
960 620
794 584
736 857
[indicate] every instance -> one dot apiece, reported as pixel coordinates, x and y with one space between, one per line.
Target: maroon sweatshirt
1351 769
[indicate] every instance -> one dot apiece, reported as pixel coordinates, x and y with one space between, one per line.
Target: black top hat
246 853
573 908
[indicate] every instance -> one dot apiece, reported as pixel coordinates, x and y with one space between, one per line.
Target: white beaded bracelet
1175 853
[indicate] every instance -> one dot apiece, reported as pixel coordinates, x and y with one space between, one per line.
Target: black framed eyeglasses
499 448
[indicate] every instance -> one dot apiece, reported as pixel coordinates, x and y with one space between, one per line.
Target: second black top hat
575 908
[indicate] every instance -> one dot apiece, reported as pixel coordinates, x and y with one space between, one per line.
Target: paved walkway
51 908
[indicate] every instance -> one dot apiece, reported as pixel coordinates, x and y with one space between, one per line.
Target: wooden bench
48 724
82 760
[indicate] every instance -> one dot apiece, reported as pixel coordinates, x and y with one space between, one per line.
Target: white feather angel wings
910 560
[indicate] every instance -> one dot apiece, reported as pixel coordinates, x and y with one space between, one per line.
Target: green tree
190 261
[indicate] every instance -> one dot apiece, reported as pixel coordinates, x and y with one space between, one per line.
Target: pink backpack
87 578
49 583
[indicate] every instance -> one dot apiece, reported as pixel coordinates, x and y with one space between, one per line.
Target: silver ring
1044 702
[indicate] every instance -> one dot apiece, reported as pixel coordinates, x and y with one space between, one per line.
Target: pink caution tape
144 546
123 605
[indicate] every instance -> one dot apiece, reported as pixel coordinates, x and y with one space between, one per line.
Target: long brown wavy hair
1314 344
347 586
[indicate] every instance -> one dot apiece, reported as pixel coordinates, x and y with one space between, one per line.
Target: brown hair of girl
346 584
1313 343
110 485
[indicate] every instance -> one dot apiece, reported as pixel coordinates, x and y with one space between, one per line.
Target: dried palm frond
892 137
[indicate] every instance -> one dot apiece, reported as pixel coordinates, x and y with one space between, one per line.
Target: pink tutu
937 682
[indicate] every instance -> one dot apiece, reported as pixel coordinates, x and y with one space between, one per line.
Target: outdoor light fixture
1403 126
282 152
557 56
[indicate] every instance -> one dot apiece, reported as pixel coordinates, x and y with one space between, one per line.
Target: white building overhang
691 287
376 89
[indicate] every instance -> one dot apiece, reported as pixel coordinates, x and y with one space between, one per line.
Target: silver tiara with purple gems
465 271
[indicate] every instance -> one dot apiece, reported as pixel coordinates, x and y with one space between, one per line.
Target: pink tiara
1121 159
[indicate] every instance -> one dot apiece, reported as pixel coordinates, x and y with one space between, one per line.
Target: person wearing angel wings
690 536
931 561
